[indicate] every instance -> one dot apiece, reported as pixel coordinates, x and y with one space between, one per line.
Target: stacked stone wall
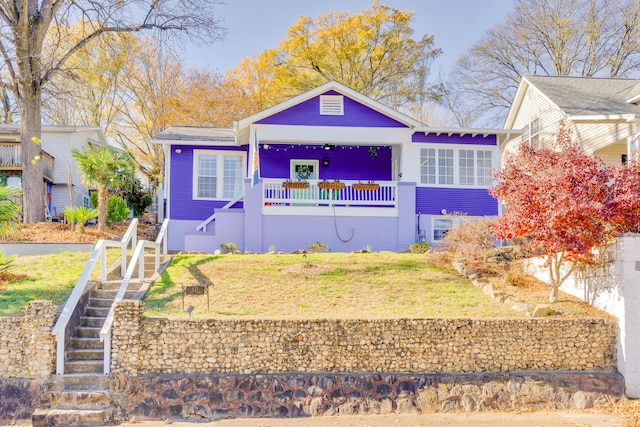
212 397
27 346
162 346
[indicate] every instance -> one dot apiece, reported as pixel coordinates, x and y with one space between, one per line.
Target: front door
304 170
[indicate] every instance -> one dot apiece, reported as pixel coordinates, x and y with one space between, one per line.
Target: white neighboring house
604 114
60 169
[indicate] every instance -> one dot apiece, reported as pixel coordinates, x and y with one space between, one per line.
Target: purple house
329 166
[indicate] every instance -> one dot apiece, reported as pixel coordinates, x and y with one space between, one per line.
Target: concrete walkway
27 249
485 419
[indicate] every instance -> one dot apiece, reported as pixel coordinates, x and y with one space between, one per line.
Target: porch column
252 216
406 215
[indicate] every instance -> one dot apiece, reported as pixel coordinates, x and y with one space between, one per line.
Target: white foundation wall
613 287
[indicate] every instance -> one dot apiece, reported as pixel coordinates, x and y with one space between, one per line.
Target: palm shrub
105 168
79 216
9 210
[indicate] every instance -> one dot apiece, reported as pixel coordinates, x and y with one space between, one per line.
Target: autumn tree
85 93
34 48
565 203
373 52
587 38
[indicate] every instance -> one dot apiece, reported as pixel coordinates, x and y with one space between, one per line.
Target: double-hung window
436 166
218 175
456 166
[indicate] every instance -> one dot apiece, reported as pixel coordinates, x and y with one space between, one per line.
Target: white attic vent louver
332 105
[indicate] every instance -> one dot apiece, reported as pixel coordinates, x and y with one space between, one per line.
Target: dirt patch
307 269
57 232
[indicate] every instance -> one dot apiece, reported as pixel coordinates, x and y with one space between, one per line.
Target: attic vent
332 105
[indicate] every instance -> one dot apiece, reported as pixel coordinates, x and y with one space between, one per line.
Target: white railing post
103 263
107 353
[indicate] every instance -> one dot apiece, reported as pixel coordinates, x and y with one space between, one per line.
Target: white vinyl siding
456 167
218 175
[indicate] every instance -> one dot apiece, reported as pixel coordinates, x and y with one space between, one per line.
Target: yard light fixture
325 162
329 147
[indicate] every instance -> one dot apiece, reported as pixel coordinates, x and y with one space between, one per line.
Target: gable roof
242 126
581 96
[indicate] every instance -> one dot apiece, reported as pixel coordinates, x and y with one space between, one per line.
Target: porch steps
77 400
85 352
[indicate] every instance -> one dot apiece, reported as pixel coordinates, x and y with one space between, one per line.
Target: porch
11 160
324 197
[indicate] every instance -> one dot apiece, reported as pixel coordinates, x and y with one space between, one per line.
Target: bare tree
546 37
147 89
34 48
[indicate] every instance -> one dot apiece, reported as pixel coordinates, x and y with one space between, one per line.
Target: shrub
228 247
471 241
79 216
318 247
6 262
138 200
117 210
419 248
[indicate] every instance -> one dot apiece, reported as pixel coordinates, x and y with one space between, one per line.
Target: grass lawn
50 277
328 285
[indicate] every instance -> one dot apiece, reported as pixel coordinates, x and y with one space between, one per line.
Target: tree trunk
32 177
103 196
553 295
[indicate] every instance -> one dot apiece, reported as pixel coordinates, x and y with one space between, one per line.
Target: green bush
138 200
79 216
6 262
228 247
419 248
318 247
117 210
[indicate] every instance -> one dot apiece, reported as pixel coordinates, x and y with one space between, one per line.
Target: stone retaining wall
27 346
160 346
213 397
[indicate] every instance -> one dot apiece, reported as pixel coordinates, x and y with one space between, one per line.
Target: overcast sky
257 25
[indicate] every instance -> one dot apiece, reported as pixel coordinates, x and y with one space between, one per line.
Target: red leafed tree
566 203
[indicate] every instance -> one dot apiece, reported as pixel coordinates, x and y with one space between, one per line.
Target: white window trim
456 220
219 169
456 164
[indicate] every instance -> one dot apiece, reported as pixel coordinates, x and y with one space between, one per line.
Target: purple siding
348 162
183 206
471 201
307 113
444 138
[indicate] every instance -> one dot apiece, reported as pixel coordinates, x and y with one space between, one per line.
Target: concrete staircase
85 352
81 397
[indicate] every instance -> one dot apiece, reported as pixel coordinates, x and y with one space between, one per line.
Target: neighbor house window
448 166
86 201
217 174
531 134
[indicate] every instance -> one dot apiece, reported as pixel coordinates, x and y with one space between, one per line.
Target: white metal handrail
137 260
203 225
385 195
99 254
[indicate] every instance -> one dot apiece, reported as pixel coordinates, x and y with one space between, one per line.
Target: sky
256 25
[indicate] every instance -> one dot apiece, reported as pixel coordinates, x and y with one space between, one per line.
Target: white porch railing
384 196
137 260
203 225
99 255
